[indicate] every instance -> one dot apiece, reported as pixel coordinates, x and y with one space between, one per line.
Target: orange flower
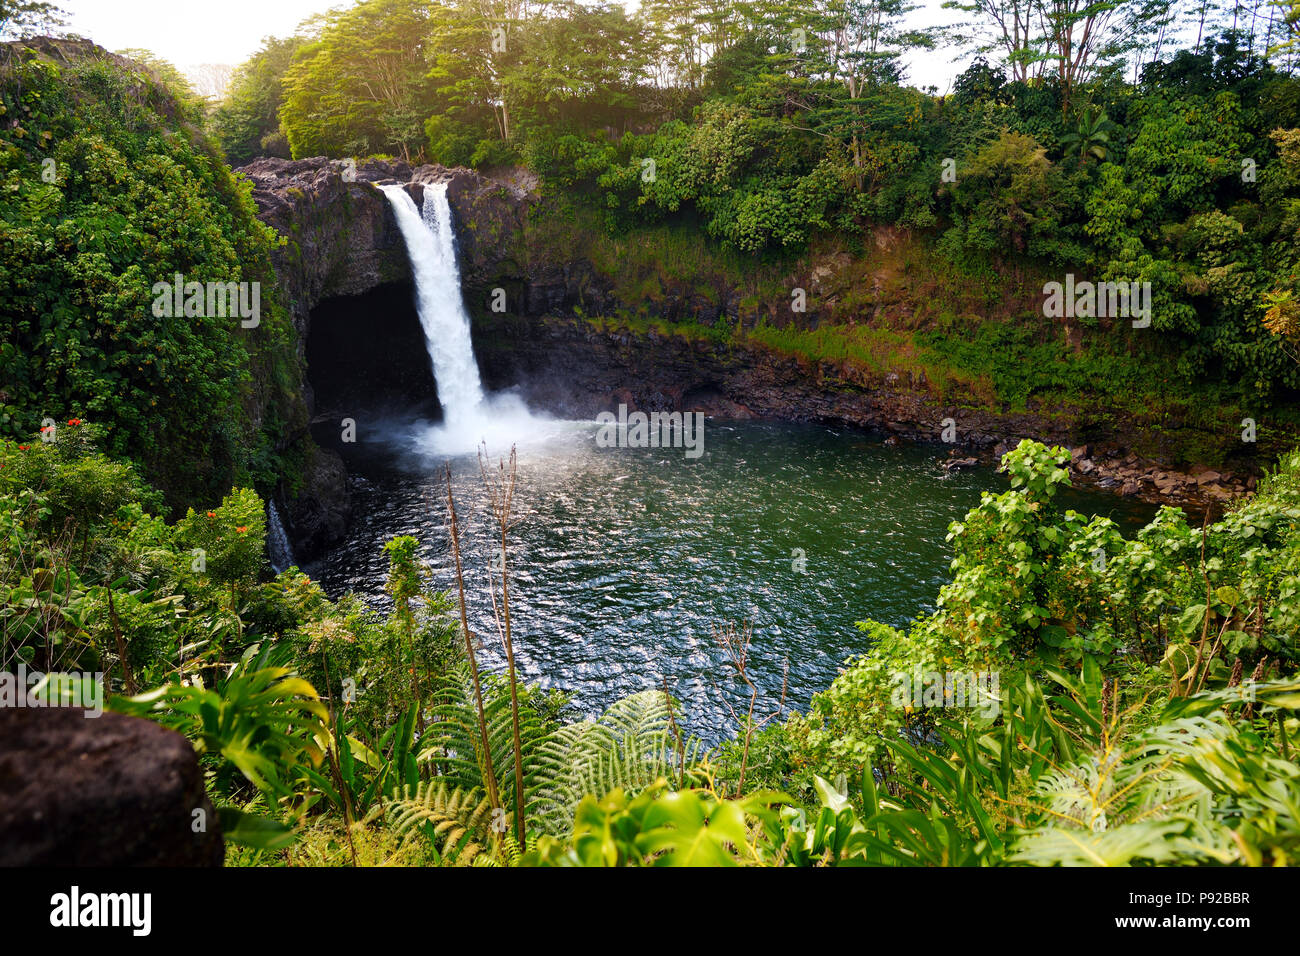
242 528
24 447
212 514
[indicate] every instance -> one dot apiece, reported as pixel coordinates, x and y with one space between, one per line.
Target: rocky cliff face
576 368
342 238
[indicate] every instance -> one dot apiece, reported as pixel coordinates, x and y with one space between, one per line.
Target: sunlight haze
190 34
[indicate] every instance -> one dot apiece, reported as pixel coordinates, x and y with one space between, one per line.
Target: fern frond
456 821
630 747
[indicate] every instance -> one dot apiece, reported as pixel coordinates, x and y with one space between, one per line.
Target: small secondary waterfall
278 548
431 246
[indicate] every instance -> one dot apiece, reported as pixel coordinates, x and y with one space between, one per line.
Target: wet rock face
320 518
343 238
343 241
110 790
570 368
489 217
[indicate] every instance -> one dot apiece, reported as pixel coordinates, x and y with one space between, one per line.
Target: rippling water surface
622 559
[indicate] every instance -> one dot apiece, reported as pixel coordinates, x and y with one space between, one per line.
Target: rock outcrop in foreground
110 790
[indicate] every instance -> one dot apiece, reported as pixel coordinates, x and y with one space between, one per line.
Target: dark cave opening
366 355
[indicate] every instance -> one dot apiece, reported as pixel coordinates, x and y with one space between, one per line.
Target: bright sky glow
188 33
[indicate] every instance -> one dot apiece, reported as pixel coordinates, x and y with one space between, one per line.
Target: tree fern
457 822
632 745
451 745
629 747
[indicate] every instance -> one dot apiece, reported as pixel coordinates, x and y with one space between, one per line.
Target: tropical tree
1091 140
359 87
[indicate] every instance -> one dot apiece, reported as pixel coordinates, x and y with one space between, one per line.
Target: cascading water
470 415
278 548
431 246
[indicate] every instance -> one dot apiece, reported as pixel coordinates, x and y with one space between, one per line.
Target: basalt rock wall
577 368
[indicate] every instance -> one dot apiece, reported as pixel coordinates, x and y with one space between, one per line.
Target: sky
192 32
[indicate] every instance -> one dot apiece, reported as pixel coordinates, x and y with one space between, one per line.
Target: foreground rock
110 790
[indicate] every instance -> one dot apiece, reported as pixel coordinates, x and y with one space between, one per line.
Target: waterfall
469 415
431 247
278 548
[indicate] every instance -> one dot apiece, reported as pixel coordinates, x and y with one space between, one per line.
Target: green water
624 558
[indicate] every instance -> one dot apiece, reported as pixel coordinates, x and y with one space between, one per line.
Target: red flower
24 447
74 421
47 428
212 514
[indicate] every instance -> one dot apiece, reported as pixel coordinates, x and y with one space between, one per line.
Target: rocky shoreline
569 367
1147 480
1144 479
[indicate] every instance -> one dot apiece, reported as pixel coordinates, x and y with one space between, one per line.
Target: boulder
107 790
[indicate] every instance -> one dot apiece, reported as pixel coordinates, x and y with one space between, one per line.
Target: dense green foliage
1102 700
108 189
770 127
333 734
247 122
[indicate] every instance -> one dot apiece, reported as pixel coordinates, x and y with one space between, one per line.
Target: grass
880 350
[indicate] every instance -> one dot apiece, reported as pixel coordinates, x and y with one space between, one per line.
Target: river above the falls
624 559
